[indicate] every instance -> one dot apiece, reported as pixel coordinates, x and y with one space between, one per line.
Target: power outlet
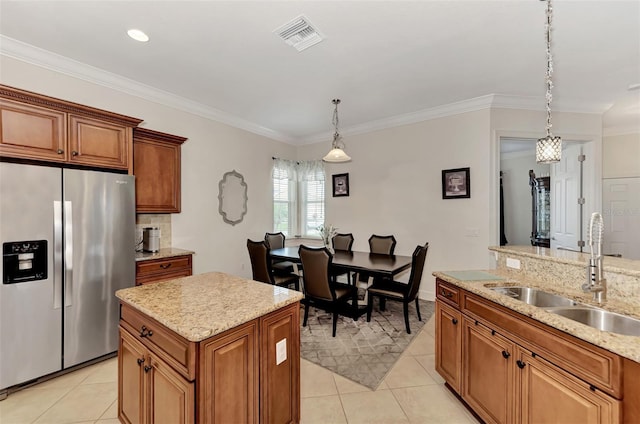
513 263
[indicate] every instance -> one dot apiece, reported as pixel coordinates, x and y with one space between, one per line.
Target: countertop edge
166 252
625 346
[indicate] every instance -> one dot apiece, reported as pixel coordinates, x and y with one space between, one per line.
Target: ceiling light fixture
336 154
549 148
138 35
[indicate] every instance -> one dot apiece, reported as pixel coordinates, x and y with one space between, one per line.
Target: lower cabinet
500 376
249 374
155 270
150 391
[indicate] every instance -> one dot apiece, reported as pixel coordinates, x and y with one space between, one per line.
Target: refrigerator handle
57 254
68 252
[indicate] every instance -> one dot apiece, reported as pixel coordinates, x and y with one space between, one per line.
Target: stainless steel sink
600 319
535 297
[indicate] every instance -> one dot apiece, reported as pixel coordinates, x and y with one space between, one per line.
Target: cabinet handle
145 332
454 321
165 266
60 151
74 153
505 354
140 361
147 368
520 364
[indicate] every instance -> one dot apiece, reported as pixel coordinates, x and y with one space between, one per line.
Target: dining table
375 265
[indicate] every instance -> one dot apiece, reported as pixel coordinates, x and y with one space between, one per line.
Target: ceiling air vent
299 33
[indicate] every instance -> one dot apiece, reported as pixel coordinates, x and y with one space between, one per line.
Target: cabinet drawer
163 269
172 348
448 293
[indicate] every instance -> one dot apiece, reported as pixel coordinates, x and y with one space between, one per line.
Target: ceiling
386 60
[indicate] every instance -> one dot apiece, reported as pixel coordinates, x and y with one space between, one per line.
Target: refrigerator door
30 311
99 251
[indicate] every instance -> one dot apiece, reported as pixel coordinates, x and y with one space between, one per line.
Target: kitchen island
209 348
541 366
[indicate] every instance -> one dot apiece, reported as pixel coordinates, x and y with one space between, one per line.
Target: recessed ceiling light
138 35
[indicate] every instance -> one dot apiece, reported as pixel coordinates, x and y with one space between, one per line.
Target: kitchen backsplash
159 220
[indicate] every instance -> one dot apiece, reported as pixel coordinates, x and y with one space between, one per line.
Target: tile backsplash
159 220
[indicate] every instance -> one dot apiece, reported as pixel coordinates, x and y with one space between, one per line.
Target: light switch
281 351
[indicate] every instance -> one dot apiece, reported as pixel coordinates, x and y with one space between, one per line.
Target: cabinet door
488 372
449 344
548 394
99 143
156 166
132 357
32 132
170 398
280 366
228 377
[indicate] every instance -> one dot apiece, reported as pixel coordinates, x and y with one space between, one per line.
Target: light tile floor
412 392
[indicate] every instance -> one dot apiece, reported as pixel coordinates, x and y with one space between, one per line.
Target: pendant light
549 148
336 154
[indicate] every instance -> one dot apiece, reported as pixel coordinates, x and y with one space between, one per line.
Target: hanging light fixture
336 154
549 148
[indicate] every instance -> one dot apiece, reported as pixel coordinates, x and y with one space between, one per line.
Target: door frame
494 174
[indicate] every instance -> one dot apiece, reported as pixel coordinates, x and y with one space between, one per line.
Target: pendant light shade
549 148
336 154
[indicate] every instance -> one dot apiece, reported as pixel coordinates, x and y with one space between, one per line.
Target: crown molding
621 130
36 56
27 53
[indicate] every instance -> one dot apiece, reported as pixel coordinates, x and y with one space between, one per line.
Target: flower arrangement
326 233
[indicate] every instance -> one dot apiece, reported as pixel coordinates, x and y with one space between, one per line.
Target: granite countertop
201 306
480 282
166 252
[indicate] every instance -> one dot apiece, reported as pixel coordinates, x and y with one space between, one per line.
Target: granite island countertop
165 252
480 283
201 306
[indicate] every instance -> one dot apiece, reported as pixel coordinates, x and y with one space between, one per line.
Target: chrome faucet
596 283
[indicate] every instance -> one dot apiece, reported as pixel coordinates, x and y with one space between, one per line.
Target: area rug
361 351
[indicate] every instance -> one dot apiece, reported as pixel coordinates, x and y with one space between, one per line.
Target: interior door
621 203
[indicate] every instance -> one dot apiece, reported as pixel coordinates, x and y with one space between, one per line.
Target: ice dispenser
24 261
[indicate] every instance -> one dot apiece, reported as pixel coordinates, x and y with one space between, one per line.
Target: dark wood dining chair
403 292
384 245
343 242
261 266
276 241
319 288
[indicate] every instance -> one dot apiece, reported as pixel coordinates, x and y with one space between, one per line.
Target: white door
565 192
621 203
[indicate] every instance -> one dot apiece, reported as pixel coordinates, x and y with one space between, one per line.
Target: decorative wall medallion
232 197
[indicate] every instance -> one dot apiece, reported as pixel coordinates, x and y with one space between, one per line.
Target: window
298 197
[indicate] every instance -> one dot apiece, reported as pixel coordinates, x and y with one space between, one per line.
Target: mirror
232 197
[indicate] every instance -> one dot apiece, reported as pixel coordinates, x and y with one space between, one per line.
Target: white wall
621 155
517 194
211 150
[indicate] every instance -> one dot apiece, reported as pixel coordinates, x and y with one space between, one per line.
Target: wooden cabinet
43 128
238 374
156 166
149 390
154 270
449 345
550 395
488 377
516 369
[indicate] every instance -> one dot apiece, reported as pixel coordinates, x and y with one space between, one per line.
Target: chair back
343 242
382 244
260 261
316 263
274 240
417 266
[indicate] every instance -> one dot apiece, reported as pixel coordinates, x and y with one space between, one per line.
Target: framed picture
456 183
340 185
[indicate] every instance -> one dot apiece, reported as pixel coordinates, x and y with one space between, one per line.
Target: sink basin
535 297
601 319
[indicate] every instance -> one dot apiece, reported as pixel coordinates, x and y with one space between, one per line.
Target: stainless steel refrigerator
68 239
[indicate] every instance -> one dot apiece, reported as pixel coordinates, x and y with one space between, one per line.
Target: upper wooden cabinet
37 127
156 165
